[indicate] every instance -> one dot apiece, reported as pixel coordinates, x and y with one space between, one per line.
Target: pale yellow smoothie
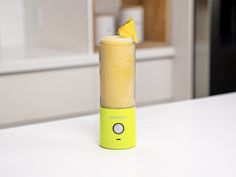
117 72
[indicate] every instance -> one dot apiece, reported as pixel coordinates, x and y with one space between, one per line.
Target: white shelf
64 43
28 58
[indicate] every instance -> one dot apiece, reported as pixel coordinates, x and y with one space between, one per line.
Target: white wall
62 24
12 23
58 24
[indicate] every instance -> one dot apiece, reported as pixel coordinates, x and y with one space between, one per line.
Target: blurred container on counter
135 12
105 25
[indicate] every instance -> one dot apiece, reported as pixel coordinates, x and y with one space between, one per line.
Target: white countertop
33 58
185 139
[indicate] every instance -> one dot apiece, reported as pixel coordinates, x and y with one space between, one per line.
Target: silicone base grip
117 128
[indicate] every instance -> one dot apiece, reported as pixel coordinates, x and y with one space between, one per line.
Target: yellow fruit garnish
128 30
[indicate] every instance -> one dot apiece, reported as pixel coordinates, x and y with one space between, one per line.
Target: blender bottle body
117 80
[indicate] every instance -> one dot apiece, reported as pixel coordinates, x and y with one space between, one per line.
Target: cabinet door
96 87
153 81
46 95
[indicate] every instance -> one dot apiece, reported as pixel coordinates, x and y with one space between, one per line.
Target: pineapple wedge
128 30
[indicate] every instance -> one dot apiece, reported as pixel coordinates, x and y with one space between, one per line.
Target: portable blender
117 104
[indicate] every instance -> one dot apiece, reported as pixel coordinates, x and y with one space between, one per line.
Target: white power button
118 128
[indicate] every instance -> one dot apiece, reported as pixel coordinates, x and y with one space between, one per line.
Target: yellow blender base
117 128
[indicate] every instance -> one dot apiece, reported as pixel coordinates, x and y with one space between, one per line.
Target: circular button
118 128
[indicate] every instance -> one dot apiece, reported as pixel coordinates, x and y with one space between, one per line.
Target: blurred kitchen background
49 57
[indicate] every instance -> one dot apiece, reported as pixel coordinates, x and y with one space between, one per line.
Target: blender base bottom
117 128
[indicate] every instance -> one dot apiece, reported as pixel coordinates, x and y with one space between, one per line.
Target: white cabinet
43 95
153 81
46 95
